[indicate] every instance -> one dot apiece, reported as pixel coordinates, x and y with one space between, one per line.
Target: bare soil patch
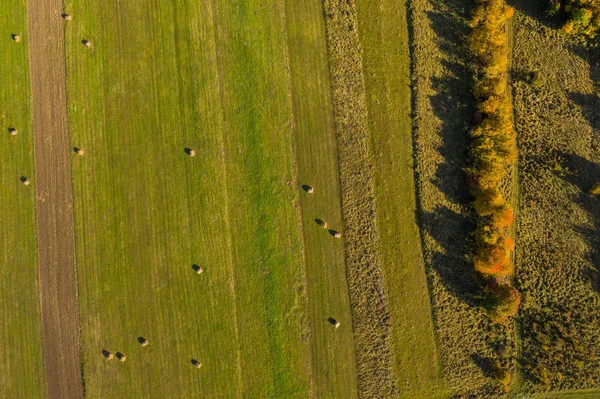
56 243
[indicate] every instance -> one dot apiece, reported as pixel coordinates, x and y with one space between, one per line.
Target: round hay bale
335 233
13 131
16 38
196 363
191 152
308 188
79 151
122 357
108 355
197 269
143 341
321 223
25 180
67 17
334 322
86 43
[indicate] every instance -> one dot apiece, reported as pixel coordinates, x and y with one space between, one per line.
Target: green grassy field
218 78
272 96
22 368
386 63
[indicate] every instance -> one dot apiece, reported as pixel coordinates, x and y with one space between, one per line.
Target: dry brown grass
557 239
470 345
370 311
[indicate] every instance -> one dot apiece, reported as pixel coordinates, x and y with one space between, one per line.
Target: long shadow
590 106
453 103
585 174
451 231
538 10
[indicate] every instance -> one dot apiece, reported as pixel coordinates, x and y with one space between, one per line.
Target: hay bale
86 43
190 152
16 38
25 180
335 233
321 223
79 151
334 322
13 131
67 17
122 357
308 188
107 355
197 269
196 363
143 341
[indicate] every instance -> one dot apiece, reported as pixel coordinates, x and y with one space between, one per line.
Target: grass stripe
22 367
333 357
386 63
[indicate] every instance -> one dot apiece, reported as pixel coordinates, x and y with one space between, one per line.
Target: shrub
501 301
501 375
595 190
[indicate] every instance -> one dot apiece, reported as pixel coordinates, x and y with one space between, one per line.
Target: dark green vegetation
22 366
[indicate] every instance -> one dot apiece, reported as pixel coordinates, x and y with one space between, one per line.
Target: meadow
22 369
217 148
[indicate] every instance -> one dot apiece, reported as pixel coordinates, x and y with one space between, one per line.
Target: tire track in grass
54 201
370 311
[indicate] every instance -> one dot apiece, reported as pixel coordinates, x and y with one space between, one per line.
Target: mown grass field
272 96
22 367
225 80
386 64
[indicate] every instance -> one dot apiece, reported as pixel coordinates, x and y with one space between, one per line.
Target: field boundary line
297 208
54 201
229 234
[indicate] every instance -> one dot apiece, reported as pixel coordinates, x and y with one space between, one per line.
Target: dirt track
54 202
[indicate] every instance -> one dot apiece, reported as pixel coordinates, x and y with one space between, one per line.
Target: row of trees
494 151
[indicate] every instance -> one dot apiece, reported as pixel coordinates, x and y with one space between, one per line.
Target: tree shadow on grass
453 103
452 231
590 105
585 174
539 10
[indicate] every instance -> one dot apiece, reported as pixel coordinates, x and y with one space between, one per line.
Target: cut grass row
22 367
333 357
214 77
